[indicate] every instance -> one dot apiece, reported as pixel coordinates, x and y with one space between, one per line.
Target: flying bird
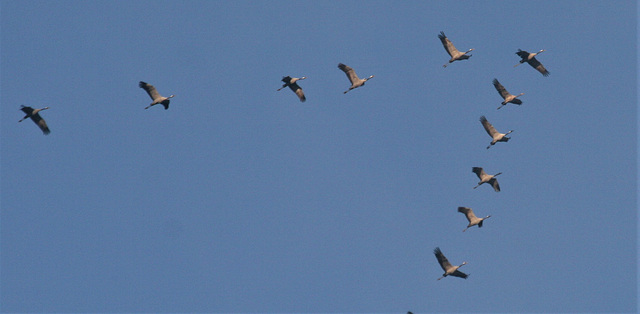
495 135
35 116
531 59
292 83
353 78
451 49
508 98
471 217
155 96
485 178
449 270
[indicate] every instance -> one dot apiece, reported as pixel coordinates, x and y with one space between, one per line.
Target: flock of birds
292 83
456 55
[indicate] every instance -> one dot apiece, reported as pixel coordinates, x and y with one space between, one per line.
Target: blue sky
240 198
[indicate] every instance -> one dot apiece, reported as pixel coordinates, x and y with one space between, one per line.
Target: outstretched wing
26 109
150 89
523 54
300 94
460 274
41 124
479 172
468 212
448 45
351 74
444 263
488 127
286 79
538 66
296 89
494 184
503 91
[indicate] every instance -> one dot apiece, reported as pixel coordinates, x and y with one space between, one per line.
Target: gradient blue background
242 199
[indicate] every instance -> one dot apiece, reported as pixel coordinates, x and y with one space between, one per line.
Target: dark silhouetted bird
292 83
35 116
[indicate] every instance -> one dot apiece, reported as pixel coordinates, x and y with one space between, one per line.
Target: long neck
34 112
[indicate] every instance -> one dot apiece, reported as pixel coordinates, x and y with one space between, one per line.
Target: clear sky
240 198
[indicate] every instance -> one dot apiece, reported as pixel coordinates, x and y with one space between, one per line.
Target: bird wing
479 172
460 274
538 66
523 54
41 123
351 74
300 94
488 127
448 45
494 184
467 212
26 109
150 89
286 79
444 263
503 91
296 89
